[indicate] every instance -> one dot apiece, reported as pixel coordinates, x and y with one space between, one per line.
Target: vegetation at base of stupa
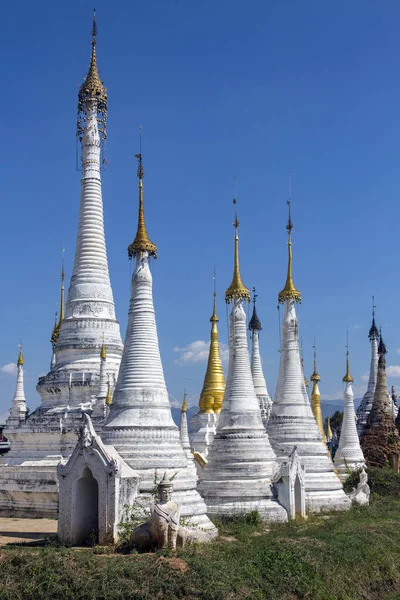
343 556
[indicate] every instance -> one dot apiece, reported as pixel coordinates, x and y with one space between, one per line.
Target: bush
383 482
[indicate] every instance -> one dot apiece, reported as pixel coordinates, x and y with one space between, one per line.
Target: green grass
345 556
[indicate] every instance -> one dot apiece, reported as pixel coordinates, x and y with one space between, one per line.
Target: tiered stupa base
324 491
237 478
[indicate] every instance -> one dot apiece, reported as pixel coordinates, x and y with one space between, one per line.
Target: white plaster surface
241 462
28 478
292 423
140 424
260 385
349 456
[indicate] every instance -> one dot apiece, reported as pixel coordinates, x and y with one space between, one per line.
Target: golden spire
92 89
289 292
316 396
109 395
212 394
20 360
184 403
57 326
237 290
141 243
329 433
103 350
347 378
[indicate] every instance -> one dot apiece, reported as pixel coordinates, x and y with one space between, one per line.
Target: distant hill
328 407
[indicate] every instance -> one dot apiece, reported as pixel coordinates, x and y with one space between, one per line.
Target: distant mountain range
328 407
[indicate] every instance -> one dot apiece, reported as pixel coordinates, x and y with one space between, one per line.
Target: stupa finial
237 290
347 378
57 325
184 403
315 377
141 243
92 90
109 395
373 332
255 323
289 291
20 360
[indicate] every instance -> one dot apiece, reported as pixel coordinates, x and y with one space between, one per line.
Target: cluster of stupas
244 451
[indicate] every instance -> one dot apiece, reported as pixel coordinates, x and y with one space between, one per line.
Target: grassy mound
347 556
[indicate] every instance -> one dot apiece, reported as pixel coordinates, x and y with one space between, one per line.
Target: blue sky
221 89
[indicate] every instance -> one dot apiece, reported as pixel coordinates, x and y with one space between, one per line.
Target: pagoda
140 425
18 410
380 439
203 424
292 423
316 397
260 385
241 463
366 403
28 480
349 456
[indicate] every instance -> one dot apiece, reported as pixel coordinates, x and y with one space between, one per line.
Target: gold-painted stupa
212 394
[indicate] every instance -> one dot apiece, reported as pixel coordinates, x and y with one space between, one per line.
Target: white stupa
292 423
349 456
241 462
18 410
140 424
28 479
260 385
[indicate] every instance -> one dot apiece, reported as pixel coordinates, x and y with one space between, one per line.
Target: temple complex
241 463
259 382
28 479
380 439
366 403
203 424
139 425
316 397
292 423
349 456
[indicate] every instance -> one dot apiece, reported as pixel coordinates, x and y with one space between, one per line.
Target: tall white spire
184 433
18 409
90 312
292 422
366 403
260 385
140 424
349 456
241 462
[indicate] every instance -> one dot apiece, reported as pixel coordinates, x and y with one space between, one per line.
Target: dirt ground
14 531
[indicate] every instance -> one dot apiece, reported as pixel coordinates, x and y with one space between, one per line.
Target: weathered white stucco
292 423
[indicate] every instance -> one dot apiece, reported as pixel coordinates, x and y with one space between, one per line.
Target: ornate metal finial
373 332
141 243
109 395
329 433
381 347
315 377
214 317
255 323
92 91
289 292
237 290
57 326
103 350
184 403
347 378
20 360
